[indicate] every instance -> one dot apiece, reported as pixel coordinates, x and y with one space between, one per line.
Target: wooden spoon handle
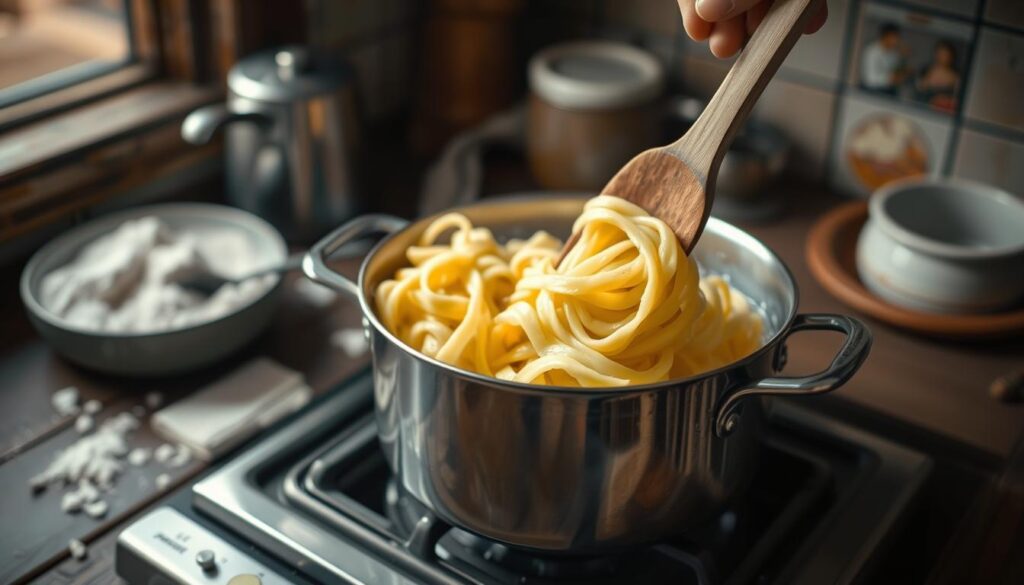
704 145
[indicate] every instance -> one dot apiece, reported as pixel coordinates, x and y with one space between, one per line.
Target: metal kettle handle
846 362
202 123
314 264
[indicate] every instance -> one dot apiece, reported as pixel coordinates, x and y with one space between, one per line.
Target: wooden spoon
676 183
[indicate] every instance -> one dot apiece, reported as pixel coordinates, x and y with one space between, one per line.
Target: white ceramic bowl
166 352
944 246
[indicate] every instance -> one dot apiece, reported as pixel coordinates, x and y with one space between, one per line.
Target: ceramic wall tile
821 54
996 92
702 76
990 159
910 56
804 115
659 16
966 8
878 140
1005 12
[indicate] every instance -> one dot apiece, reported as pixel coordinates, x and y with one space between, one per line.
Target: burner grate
351 475
315 494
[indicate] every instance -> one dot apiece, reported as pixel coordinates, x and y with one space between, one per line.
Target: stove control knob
206 560
245 580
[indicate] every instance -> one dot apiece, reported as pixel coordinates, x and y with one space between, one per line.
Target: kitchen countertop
935 391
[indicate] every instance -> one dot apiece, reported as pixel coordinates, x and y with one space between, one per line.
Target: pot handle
849 359
314 264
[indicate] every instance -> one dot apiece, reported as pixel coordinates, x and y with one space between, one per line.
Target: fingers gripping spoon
676 183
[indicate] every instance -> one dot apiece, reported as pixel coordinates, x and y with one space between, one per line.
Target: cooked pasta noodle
626 306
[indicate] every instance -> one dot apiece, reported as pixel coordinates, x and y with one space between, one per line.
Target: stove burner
820 507
791 486
405 512
535 564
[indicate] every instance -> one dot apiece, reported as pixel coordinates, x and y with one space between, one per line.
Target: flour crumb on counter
314 293
83 424
162 481
92 407
77 549
65 401
139 456
94 457
86 493
154 400
97 509
163 453
352 341
182 455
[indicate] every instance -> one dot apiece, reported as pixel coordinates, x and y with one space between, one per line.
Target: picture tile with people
921 87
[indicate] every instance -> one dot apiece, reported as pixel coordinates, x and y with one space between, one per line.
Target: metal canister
291 146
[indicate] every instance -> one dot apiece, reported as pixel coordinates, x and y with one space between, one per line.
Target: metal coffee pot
291 142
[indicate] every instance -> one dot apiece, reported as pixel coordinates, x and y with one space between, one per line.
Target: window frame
95 80
66 151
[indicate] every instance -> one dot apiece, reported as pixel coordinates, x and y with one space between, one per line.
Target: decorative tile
804 115
959 7
879 140
1005 12
821 54
702 76
990 159
996 93
910 56
657 16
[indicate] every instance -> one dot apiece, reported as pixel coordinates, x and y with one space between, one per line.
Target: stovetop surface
318 496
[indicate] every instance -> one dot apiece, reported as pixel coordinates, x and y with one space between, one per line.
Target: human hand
727 24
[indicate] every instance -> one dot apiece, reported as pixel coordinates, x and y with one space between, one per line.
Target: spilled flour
94 458
127 280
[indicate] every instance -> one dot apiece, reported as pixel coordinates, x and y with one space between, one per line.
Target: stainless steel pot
569 469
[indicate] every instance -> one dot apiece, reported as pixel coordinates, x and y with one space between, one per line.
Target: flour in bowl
127 281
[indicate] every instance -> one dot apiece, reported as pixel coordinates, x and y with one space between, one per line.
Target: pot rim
878 211
371 317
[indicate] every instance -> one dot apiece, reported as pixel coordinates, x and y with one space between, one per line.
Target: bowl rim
37 310
931 246
371 318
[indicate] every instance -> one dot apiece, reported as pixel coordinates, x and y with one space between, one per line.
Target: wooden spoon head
667 188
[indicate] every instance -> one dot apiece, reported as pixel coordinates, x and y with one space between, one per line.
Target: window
46 45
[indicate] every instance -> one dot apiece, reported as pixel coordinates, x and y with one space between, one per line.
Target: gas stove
314 502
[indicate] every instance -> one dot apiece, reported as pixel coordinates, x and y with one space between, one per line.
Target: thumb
719 10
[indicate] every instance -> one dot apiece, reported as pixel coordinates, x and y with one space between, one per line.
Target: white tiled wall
809 132
820 55
996 93
984 157
1005 12
815 98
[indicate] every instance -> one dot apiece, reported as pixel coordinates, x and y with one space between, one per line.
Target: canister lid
287 73
591 75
